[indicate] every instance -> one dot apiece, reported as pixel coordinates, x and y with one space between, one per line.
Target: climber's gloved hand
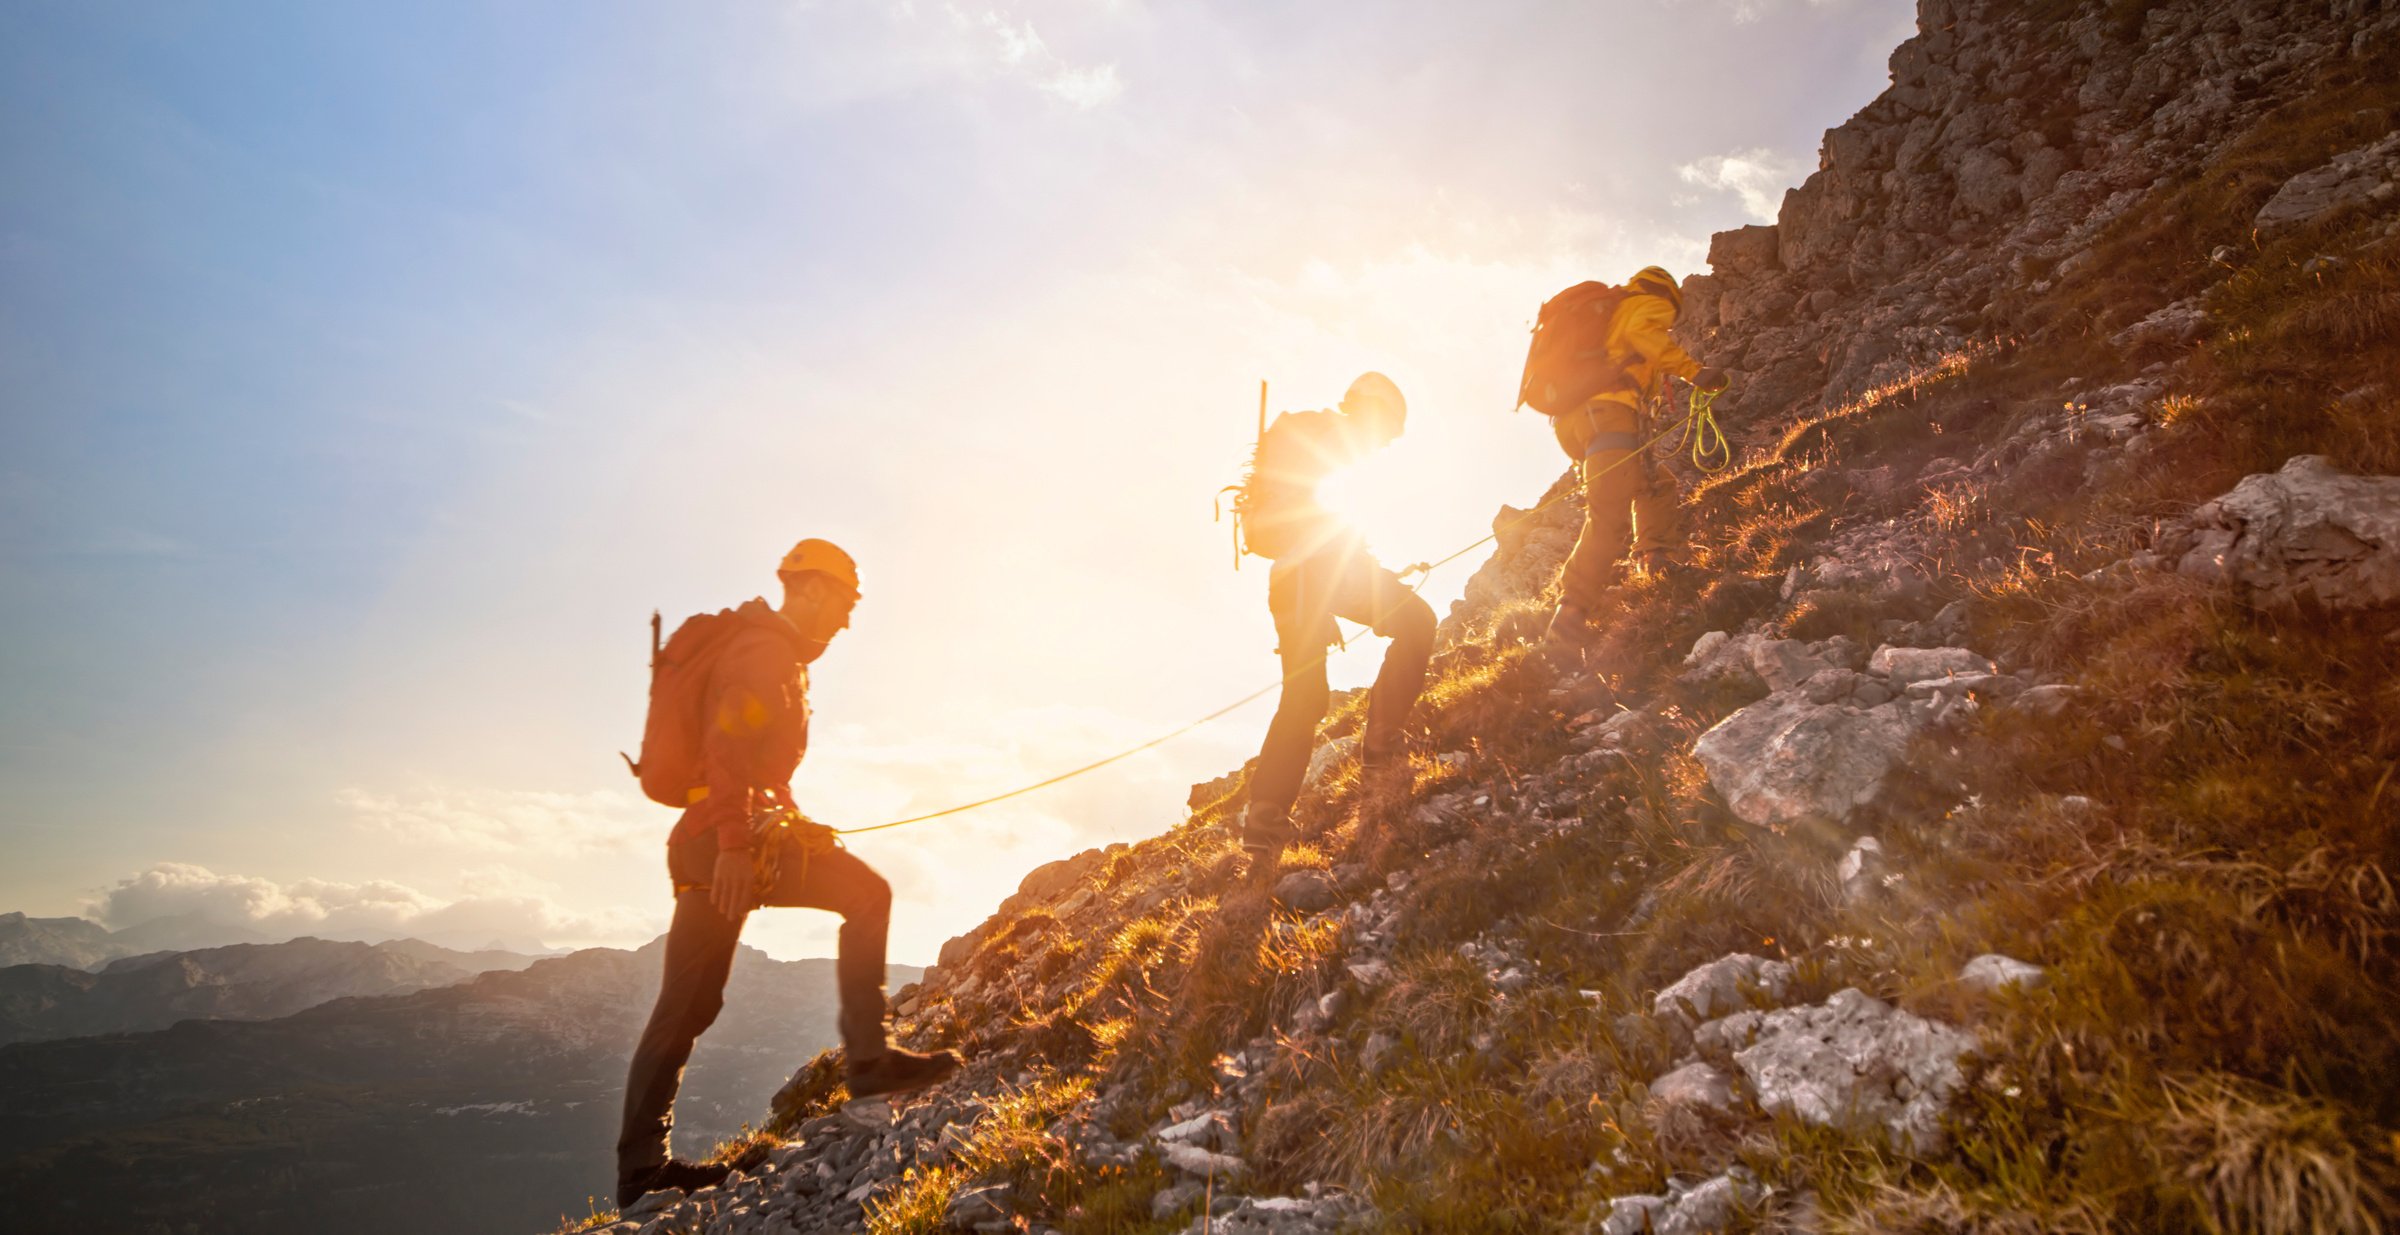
1711 380
729 888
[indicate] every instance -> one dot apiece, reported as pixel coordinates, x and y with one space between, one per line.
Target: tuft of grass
596 1219
816 1089
2265 1161
1011 1143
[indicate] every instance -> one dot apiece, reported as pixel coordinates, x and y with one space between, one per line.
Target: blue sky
368 373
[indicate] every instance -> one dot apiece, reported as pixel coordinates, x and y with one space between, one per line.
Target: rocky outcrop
2006 143
2367 176
2306 535
1854 1063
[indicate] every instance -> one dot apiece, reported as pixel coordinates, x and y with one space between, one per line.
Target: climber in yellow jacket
1624 497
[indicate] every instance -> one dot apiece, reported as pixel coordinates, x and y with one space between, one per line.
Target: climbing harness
781 833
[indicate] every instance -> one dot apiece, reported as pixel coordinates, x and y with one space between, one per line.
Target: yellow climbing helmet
1655 281
823 556
1377 396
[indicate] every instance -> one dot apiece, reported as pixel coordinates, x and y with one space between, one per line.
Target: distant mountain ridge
80 943
466 1107
245 982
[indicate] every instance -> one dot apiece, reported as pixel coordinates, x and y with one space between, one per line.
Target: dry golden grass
2263 1161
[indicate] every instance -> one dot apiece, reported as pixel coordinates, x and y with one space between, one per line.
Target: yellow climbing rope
1710 451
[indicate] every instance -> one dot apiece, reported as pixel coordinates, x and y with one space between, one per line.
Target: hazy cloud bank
207 906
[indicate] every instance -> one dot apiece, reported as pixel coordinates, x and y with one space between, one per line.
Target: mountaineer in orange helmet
728 725
1323 571
1621 339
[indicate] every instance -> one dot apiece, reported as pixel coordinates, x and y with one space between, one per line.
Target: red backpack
670 766
1569 362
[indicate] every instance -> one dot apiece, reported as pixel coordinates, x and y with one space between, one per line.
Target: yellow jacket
1638 339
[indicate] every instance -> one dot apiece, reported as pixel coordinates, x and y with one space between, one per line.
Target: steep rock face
2007 142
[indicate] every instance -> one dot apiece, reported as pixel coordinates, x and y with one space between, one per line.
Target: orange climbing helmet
822 556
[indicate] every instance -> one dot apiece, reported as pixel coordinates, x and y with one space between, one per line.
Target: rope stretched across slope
1708 443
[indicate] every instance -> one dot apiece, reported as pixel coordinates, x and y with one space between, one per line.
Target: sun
1355 498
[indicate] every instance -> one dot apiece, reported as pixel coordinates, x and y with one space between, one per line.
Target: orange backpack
673 733
1569 361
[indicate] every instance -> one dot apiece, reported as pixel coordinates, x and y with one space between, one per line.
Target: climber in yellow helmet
728 725
1323 571
1615 343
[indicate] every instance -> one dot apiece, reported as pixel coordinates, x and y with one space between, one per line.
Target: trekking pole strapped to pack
1241 491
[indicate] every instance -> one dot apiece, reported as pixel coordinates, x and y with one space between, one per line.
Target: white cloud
1013 47
1084 88
512 821
498 908
1749 12
1758 176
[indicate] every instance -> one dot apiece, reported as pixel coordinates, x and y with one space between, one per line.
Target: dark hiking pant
700 948
1306 595
1625 498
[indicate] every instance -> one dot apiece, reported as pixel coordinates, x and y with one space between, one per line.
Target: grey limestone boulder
1862 870
1307 891
1779 664
1703 1209
2370 173
1329 756
2307 534
1858 1064
1722 986
1994 972
1905 666
1287 1215
1785 759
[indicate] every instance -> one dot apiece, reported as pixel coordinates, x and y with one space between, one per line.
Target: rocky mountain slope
468 1107
77 943
1993 831
244 982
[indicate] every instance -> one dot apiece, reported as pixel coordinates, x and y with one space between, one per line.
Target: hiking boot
675 1173
898 1071
1265 835
1570 627
1384 769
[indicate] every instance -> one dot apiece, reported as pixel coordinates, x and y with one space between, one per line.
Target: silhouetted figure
1323 571
728 725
